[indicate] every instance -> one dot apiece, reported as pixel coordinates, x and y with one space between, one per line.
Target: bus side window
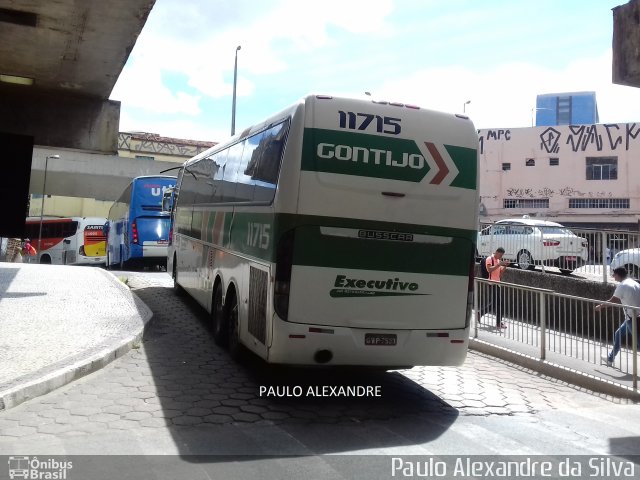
203 187
230 178
250 156
266 174
217 173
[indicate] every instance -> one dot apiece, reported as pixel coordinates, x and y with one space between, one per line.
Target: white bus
67 240
337 232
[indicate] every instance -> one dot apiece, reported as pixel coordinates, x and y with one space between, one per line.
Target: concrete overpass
626 44
68 55
59 62
89 175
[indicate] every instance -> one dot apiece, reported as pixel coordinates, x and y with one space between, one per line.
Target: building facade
577 108
579 175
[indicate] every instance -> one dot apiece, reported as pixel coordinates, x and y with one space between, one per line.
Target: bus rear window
153 228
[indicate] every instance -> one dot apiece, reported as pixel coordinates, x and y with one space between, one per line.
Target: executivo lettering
357 287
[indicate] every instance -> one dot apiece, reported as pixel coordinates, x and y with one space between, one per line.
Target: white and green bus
337 232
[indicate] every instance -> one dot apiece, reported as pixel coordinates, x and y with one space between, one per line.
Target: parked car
528 242
629 259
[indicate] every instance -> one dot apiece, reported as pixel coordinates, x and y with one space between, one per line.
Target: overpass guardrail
543 323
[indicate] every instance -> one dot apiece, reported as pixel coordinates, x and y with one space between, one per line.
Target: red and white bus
67 240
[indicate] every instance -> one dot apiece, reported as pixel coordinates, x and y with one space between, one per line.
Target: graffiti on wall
546 192
609 136
500 134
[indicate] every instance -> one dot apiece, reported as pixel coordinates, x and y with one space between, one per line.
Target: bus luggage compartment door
378 279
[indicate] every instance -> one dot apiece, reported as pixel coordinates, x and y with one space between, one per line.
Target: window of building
599 203
506 166
144 157
564 110
602 168
554 162
526 203
530 162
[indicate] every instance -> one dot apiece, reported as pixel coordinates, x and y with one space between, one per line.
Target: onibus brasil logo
33 468
358 287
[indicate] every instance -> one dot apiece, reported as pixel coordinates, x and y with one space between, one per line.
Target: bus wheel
177 289
45 260
233 334
217 317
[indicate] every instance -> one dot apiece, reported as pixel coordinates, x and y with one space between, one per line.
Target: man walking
494 266
626 293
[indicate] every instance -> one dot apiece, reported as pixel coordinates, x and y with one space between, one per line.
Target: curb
553 370
66 371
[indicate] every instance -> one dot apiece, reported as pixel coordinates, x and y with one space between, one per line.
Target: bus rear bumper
305 344
154 251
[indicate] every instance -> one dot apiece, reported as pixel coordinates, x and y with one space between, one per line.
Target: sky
438 54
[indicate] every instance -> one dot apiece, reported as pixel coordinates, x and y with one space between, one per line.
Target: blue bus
137 229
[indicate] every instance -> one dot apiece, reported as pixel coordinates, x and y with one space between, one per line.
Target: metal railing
551 323
588 253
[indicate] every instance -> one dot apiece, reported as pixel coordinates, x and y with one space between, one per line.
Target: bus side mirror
105 229
66 241
167 200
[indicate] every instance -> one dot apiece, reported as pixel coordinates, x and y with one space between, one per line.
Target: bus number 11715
362 121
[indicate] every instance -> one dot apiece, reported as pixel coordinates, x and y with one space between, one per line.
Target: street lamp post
233 104
44 186
464 106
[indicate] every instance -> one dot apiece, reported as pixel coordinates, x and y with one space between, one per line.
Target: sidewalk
582 366
59 323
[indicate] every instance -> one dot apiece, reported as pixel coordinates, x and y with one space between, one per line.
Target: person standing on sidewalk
626 293
495 266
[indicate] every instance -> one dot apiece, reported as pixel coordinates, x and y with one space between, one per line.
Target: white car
629 259
529 242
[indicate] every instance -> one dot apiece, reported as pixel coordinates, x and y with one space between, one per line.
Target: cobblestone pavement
178 378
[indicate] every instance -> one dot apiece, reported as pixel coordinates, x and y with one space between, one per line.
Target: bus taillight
134 231
284 261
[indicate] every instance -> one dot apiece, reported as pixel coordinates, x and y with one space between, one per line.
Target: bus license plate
570 259
388 339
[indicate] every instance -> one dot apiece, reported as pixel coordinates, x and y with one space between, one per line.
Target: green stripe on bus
363 155
466 162
312 248
256 234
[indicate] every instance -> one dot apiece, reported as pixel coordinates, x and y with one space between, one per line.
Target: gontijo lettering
376 156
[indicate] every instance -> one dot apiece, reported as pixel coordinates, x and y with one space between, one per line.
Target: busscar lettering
382 235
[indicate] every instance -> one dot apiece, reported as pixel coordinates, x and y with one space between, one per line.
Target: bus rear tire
45 260
232 325
218 317
177 289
